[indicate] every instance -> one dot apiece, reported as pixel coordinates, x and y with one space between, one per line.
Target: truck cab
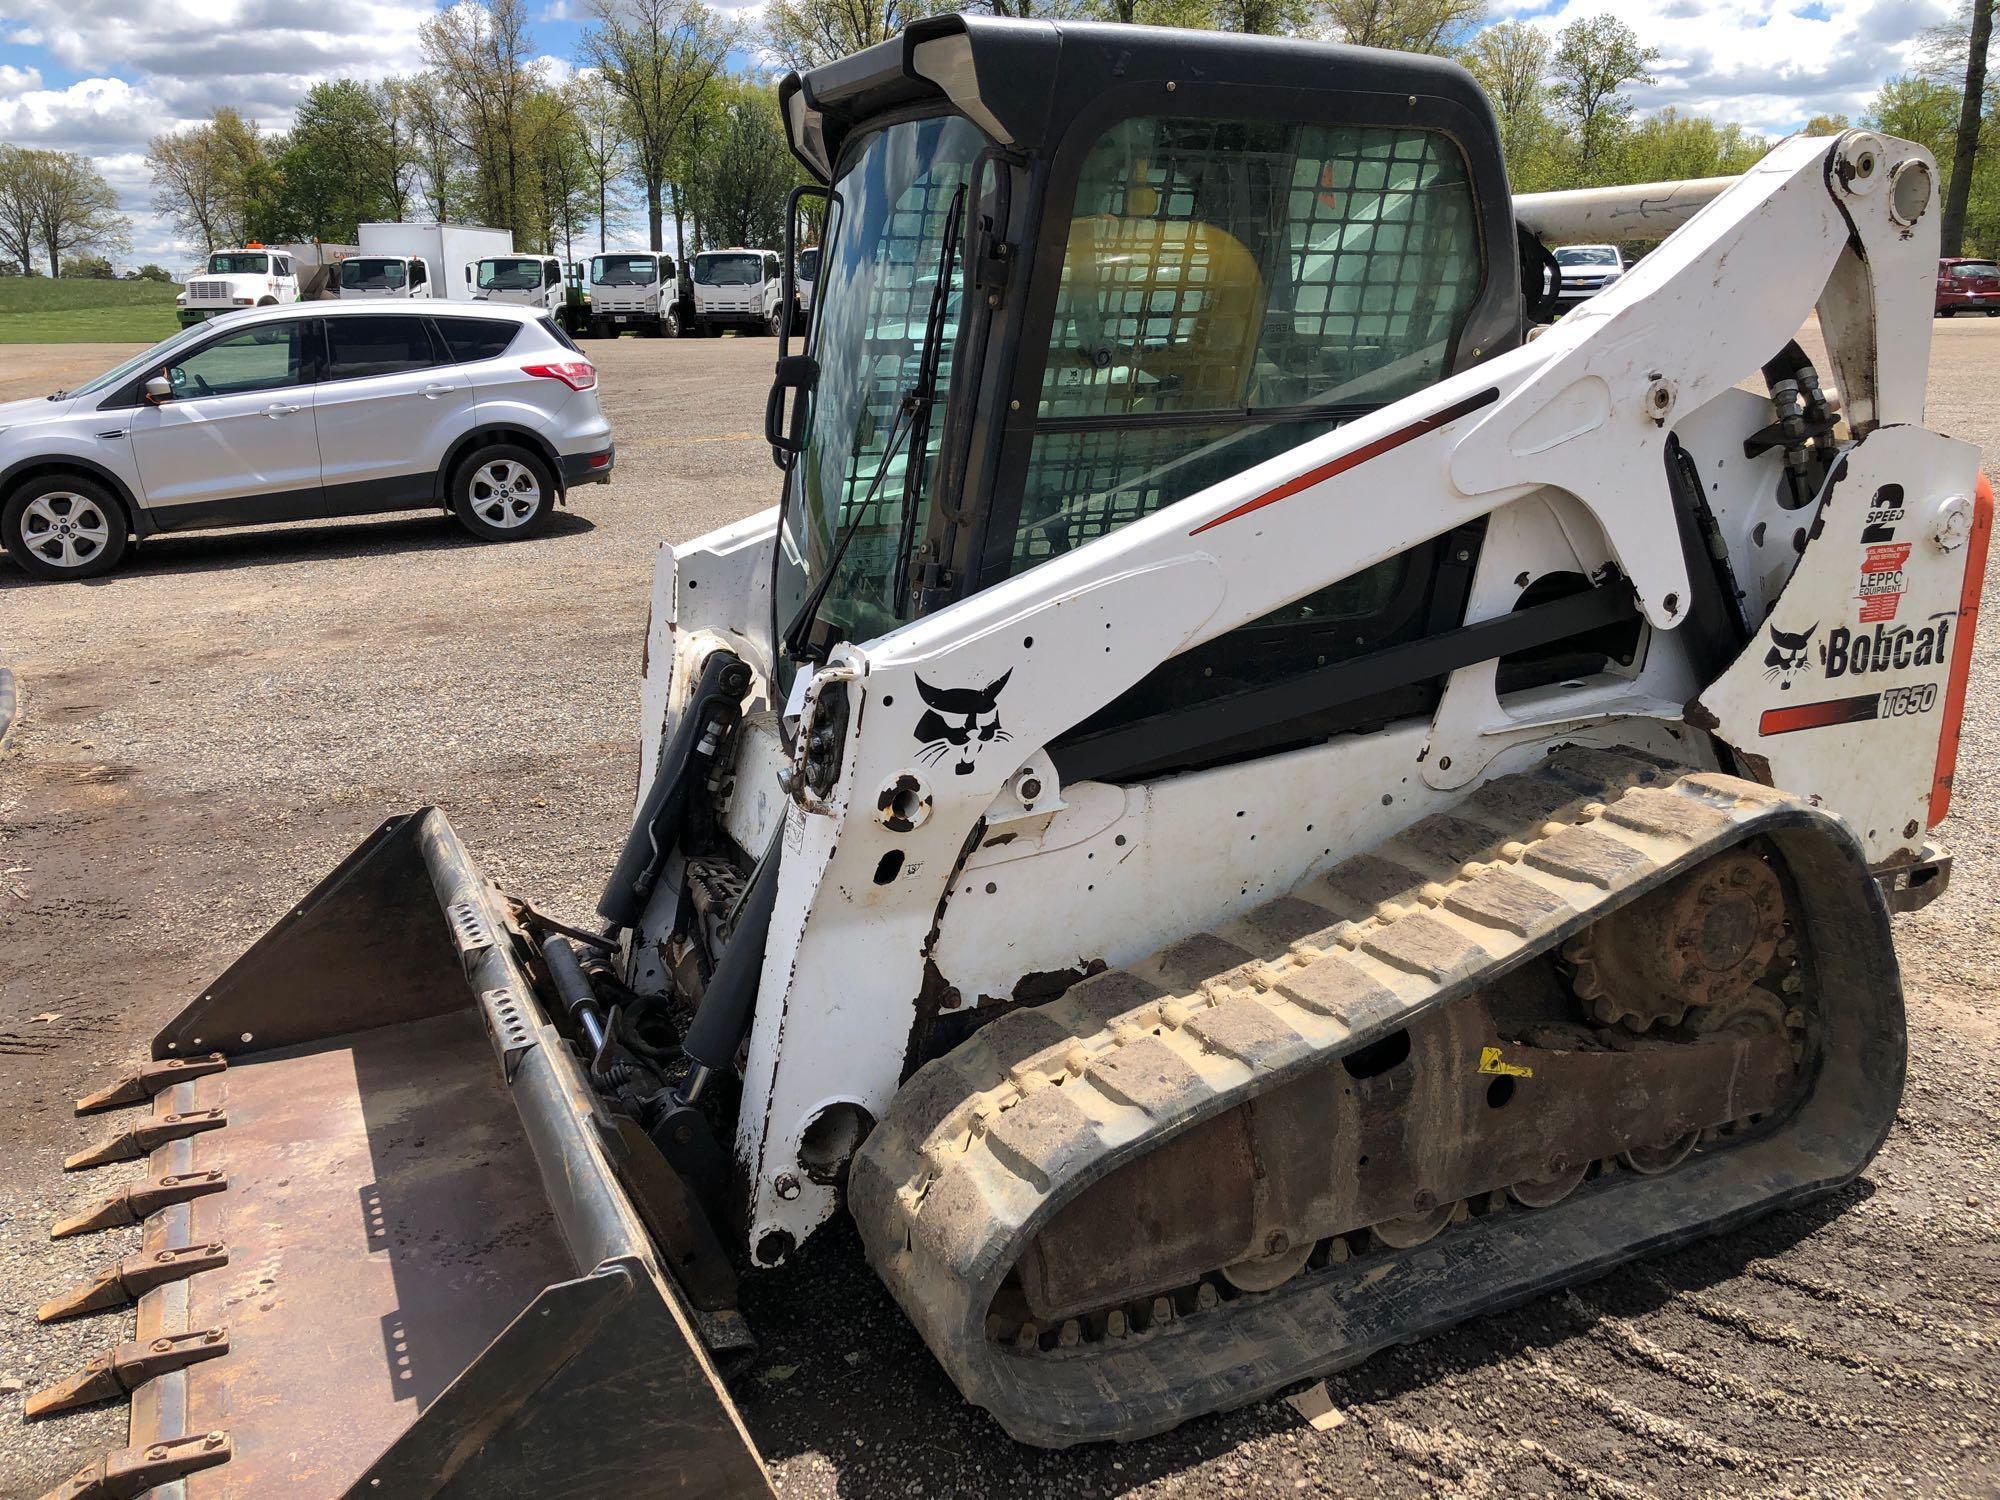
738 288
805 271
385 277
252 275
637 290
521 280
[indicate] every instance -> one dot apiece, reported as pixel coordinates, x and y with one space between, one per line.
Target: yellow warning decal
1490 1062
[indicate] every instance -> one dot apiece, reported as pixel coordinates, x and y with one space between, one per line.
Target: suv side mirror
159 389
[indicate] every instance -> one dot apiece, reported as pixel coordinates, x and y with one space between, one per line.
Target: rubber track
983 1145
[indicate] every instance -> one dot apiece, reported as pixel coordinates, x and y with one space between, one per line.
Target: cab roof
1022 82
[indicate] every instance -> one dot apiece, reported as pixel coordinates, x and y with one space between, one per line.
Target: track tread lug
1335 988
1042 1137
1447 841
1103 998
1587 856
1147 1075
936 1092
1367 882
1665 814
1424 946
1199 958
1509 901
1289 920
1245 1029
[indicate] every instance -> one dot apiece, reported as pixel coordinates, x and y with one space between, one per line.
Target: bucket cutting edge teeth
133 1204
134 1471
144 1135
122 1369
127 1280
153 1078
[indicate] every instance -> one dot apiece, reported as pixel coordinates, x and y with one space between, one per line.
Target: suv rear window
359 347
470 339
548 326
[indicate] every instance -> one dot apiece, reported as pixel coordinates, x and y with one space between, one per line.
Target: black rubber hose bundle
714 705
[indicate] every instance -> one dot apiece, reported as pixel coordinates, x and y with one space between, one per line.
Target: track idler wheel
1547 1192
1268 1272
1407 1231
1651 1161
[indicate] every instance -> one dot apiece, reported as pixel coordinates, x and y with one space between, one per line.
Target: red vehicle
1968 286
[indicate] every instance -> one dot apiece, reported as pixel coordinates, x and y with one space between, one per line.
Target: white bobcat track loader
1239 811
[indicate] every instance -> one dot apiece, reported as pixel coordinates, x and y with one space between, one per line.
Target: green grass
36 310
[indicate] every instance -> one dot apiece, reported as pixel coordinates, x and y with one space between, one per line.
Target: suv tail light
577 374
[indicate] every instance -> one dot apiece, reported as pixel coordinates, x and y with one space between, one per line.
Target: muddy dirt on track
206 732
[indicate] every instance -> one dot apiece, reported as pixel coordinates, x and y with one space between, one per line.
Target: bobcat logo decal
959 722
1788 655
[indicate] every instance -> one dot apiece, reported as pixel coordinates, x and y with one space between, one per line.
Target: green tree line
652 128
56 212
651 125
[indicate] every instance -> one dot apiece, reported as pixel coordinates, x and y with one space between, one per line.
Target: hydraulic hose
731 996
713 708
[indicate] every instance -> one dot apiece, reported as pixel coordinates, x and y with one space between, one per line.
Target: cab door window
1231 289
263 357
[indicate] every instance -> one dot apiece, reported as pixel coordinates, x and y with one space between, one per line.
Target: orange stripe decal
1357 458
1961 650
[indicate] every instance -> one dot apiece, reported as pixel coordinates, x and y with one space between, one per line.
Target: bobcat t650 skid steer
1240 811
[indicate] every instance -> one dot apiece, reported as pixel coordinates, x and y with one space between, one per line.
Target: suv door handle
436 389
280 409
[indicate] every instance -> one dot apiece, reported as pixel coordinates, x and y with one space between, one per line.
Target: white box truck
518 280
404 261
737 288
637 290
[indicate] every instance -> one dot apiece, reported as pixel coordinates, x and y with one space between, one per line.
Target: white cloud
157 65
1768 64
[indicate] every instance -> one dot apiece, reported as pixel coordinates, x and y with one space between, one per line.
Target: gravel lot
210 729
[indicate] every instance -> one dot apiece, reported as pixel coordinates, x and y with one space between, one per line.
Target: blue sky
103 76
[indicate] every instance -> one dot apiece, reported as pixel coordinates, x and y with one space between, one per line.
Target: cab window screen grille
1280 277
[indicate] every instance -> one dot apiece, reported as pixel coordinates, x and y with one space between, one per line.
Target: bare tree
189 183
600 116
17 207
1406 25
56 205
807 33
398 142
1511 62
1594 60
478 51
660 56
433 146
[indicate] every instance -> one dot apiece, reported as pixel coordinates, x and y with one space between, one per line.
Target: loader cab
1073 274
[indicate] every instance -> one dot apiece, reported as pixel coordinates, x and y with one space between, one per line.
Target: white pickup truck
251 276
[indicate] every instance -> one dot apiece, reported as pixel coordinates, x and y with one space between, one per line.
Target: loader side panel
1845 693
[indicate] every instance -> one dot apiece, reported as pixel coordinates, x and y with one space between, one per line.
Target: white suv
300 412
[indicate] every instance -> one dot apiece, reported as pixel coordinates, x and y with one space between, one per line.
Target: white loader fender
1849 692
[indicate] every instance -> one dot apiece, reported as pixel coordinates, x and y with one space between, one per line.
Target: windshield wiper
922 393
792 642
58 395
913 409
